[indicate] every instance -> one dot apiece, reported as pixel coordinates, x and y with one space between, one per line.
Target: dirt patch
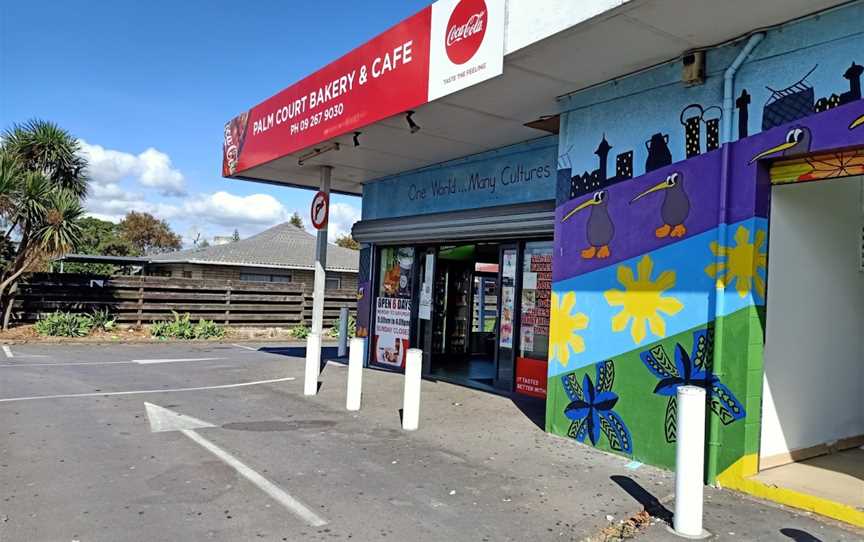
26 333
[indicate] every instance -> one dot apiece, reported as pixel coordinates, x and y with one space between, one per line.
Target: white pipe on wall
729 85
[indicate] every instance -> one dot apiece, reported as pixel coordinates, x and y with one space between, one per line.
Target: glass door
508 324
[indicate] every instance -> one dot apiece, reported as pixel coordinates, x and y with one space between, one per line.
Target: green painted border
644 412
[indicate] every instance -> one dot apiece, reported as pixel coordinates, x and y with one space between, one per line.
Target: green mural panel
634 406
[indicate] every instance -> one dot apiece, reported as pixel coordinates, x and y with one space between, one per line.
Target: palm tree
42 184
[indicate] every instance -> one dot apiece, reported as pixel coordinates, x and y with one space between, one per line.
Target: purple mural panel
674 202
640 213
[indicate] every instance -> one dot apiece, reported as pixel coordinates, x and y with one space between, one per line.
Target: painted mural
659 275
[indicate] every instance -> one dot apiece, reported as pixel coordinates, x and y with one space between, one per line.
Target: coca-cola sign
235 135
465 30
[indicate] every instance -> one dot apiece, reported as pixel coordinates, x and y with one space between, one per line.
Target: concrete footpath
79 459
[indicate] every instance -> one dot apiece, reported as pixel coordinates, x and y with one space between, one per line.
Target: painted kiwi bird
675 207
857 122
599 228
797 142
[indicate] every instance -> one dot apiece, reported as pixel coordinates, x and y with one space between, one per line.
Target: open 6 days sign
446 47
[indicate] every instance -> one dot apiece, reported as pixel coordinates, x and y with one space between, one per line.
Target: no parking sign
320 210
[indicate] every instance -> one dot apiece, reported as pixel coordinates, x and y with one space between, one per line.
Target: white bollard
355 374
313 364
411 401
690 462
343 332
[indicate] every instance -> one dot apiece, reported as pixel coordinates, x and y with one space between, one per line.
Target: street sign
320 210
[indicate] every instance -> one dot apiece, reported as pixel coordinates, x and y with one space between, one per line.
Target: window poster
393 307
508 298
534 319
392 329
536 300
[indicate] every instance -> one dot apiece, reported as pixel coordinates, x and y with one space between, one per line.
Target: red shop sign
445 47
531 377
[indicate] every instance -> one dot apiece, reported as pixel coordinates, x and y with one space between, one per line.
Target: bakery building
595 203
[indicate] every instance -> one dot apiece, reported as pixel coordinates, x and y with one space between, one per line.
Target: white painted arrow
163 419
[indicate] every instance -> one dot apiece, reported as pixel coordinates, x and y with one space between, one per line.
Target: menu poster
536 301
392 329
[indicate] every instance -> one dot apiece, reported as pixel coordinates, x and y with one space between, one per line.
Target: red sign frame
324 199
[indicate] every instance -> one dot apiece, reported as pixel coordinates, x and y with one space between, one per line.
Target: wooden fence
143 300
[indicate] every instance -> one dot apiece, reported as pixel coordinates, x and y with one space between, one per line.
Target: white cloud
121 182
342 218
151 168
229 210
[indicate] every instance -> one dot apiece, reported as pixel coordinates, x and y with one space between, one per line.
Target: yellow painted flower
740 263
564 324
642 300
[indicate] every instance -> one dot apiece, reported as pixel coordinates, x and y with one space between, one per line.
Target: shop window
536 300
393 307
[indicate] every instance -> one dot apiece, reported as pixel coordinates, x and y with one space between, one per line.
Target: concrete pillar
355 374
690 462
411 400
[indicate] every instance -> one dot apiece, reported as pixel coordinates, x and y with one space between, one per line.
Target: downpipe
714 440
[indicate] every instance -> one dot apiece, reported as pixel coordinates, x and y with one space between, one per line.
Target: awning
522 221
551 48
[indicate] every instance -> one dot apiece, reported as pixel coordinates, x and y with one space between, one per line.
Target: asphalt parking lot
217 442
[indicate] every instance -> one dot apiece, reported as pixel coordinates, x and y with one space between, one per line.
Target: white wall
814 351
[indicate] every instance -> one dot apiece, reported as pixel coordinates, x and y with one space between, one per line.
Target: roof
284 246
95 258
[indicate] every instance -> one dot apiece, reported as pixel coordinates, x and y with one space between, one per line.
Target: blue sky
148 87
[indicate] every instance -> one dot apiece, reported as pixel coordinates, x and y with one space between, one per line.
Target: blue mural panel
668 291
516 174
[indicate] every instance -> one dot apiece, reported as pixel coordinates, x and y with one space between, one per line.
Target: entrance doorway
813 391
465 314
479 311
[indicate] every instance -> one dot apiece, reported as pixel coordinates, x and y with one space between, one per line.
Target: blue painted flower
691 370
590 409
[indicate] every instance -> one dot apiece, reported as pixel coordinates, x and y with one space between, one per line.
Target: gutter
713 432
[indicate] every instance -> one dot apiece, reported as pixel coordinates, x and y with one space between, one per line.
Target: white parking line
139 392
8 351
169 360
163 419
63 364
245 347
134 361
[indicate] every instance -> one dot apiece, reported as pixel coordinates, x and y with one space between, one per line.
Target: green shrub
64 324
208 329
333 332
300 332
103 320
181 327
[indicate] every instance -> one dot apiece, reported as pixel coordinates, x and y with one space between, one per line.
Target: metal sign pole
313 343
